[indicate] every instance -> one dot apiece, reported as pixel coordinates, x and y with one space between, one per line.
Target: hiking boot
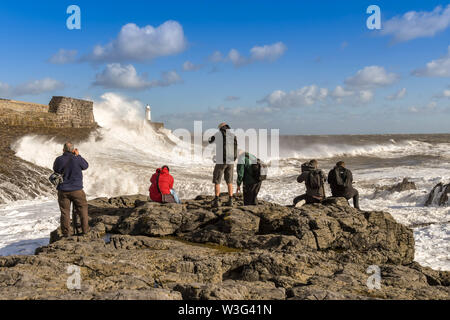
229 203
215 203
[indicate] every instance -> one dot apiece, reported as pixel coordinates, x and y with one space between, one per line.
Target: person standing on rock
314 179
246 174
70 165
226 154
341 183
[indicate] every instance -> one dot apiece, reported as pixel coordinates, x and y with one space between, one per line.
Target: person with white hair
70 190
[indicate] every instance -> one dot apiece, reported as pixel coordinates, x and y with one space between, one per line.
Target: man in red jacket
165 184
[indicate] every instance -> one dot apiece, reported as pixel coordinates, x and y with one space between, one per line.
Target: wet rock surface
22 180
144 250
405 185
438 195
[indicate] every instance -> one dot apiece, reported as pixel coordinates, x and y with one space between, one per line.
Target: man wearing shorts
226 154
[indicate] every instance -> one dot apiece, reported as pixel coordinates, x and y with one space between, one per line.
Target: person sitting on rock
314 179
341 183
246 175
161 188
226 154
70 165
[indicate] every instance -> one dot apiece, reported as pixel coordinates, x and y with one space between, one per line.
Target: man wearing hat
226 154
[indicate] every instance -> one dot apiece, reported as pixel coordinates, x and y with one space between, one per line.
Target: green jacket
244 169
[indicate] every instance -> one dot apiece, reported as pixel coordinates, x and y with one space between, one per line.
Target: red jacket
165 184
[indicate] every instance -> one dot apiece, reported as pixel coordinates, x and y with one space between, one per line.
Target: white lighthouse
148 113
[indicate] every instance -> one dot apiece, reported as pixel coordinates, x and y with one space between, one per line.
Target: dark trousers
251 193
80 206
349 194
355 195
307 198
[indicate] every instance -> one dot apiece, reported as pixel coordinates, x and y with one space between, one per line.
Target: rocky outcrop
20 179
399 187
438 195
144 250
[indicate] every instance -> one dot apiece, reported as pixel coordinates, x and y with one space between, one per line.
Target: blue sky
301 66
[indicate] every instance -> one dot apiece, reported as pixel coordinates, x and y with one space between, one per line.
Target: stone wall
21 106
72 112
62 112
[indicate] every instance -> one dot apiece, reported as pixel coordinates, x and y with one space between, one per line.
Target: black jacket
341 181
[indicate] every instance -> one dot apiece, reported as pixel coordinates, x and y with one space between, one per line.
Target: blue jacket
73 176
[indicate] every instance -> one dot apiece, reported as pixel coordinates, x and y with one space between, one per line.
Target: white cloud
139 44
431 106
5 89
235 57
413 109
37 87
413 24
365 96
268 52
189 66
63 56
216 57
118 76
340 92
397 95
305 96
168 78
257 53
371 77
436 68
446 93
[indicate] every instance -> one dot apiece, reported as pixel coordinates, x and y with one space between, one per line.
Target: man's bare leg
230 189
215 203
217 189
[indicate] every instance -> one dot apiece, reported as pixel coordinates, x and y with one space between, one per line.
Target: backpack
315 179
57 178
259 170
342 177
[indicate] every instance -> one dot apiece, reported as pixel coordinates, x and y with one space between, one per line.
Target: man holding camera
314 180
70 165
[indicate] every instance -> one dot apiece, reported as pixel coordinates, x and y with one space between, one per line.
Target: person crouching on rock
226 155
161 188
341 183
70 165
246 174
314 179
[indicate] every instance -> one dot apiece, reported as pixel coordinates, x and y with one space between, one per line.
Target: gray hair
68 147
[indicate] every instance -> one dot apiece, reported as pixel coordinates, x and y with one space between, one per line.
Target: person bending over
246 174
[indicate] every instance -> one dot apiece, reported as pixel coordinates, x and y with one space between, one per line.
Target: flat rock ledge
144 250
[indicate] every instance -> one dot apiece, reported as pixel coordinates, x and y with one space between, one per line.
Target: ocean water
126 152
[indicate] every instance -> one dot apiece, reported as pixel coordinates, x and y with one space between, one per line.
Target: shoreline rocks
144 250
405 185
438 195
